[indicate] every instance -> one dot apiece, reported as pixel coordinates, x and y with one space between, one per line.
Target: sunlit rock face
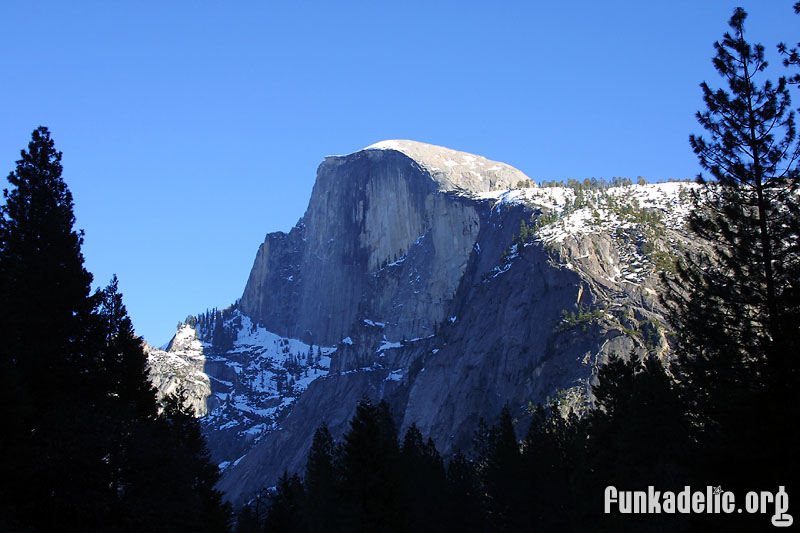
448 285
369 210
181 366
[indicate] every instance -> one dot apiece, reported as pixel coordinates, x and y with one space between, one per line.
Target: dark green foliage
222 334
551 449
49 366
191 321
322 483
750 212
583 318
590 184
545 218
369 462
83 447
500 474
463 506
423 481
791 56
736 310
124 357
370 483
191 472
526 233
639 427
286 506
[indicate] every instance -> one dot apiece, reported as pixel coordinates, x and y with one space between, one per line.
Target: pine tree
82 448
464 509
744 298
369 462
736 310
124 357
322 483
423 481
48 364
547 468
500 472
637 437
286 506
792 56
187 472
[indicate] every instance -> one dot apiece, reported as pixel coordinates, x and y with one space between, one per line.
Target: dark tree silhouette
322 483
83 448
49 369
369 462
286 506
500 469
736 310
463 510
791 55
423 481
742 300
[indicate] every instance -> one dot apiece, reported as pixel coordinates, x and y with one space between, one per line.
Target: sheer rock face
409 267
368 210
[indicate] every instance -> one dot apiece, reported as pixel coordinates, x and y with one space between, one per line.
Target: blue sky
192 129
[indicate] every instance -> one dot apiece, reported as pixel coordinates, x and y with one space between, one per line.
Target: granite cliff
443 282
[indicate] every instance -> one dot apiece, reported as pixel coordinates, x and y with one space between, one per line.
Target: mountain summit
457 171
447 284
367 210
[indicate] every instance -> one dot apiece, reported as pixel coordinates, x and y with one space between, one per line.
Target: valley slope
445 283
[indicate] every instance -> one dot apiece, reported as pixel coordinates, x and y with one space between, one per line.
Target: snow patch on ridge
248 388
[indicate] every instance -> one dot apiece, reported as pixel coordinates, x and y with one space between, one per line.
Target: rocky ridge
439 287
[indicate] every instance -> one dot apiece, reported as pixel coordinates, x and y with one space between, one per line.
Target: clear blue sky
191 129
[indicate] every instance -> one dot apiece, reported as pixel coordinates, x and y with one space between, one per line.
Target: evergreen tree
500 472
736 311
423 481
369 462
286 506
792 56
637 437
49 368
83 448
743 301
187 473
124 357
222 336
550 450
322 483
463 509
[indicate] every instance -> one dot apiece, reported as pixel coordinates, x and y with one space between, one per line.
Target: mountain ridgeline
445 284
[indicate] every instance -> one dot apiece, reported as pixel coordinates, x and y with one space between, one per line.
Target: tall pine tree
743 298
47 359
83 448
736 310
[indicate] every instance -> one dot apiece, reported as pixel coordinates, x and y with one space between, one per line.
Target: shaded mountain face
368 210
443 282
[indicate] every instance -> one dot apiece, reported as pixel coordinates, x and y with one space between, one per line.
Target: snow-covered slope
418 276
241 391
602 210
646 223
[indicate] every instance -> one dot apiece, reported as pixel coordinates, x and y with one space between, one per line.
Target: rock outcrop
367 211
426 277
